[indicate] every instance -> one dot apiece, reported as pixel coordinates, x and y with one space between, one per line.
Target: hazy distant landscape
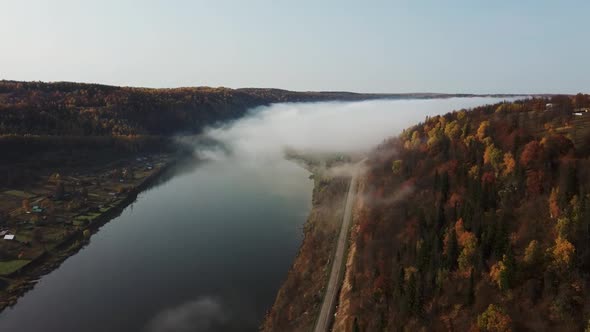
198 166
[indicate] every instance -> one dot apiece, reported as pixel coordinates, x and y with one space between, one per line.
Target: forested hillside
63 124
76 109
477 220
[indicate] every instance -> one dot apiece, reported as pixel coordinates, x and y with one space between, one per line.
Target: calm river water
207 249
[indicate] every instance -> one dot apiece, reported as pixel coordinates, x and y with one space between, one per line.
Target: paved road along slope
332 290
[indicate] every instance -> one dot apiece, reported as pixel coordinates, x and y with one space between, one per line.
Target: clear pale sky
472 46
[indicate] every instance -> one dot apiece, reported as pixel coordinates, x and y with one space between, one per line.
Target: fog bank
267 131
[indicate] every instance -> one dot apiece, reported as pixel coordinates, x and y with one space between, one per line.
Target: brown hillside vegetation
78 109
492 232
75 109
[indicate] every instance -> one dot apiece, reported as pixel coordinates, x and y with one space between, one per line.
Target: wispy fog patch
324 127
345 170
399 195
202 315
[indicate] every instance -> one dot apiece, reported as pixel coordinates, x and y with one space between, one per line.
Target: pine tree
445 186
399 287
355 325
423 258
410 294
436 181
471 289
418 308
452 251
440 216
501 241
507 273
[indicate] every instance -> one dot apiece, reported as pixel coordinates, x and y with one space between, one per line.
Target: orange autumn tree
563 253
482 131
468 244
554 209
509 164
532 152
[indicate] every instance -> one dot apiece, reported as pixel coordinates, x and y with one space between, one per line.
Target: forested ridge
73 109
63 124
78 109
478 220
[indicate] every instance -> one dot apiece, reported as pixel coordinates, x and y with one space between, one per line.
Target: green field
24 235
87 217
9 267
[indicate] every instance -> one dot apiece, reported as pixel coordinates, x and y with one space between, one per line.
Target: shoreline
299 298
20 281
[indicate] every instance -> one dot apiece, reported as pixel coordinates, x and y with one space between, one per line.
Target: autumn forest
478 220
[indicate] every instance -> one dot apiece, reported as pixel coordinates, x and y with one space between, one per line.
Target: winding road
332 290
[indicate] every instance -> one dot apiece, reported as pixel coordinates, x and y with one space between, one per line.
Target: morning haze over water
208 249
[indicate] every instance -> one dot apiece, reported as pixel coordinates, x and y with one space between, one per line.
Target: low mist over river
330 126
207 249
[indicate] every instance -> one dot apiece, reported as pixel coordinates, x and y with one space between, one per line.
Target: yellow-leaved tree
494 319
563 253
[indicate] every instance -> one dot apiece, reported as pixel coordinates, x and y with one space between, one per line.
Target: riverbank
54 218
299 299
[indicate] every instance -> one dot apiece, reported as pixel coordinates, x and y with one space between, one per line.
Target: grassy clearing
53 234
9 267
24 236
86 218
79 222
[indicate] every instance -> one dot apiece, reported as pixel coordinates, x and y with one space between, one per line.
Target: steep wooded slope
477 220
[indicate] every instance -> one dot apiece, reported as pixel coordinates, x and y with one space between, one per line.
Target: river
207 249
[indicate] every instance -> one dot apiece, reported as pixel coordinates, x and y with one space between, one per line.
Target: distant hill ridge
83 109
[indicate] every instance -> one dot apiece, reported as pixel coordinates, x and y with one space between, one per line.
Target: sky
454 46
